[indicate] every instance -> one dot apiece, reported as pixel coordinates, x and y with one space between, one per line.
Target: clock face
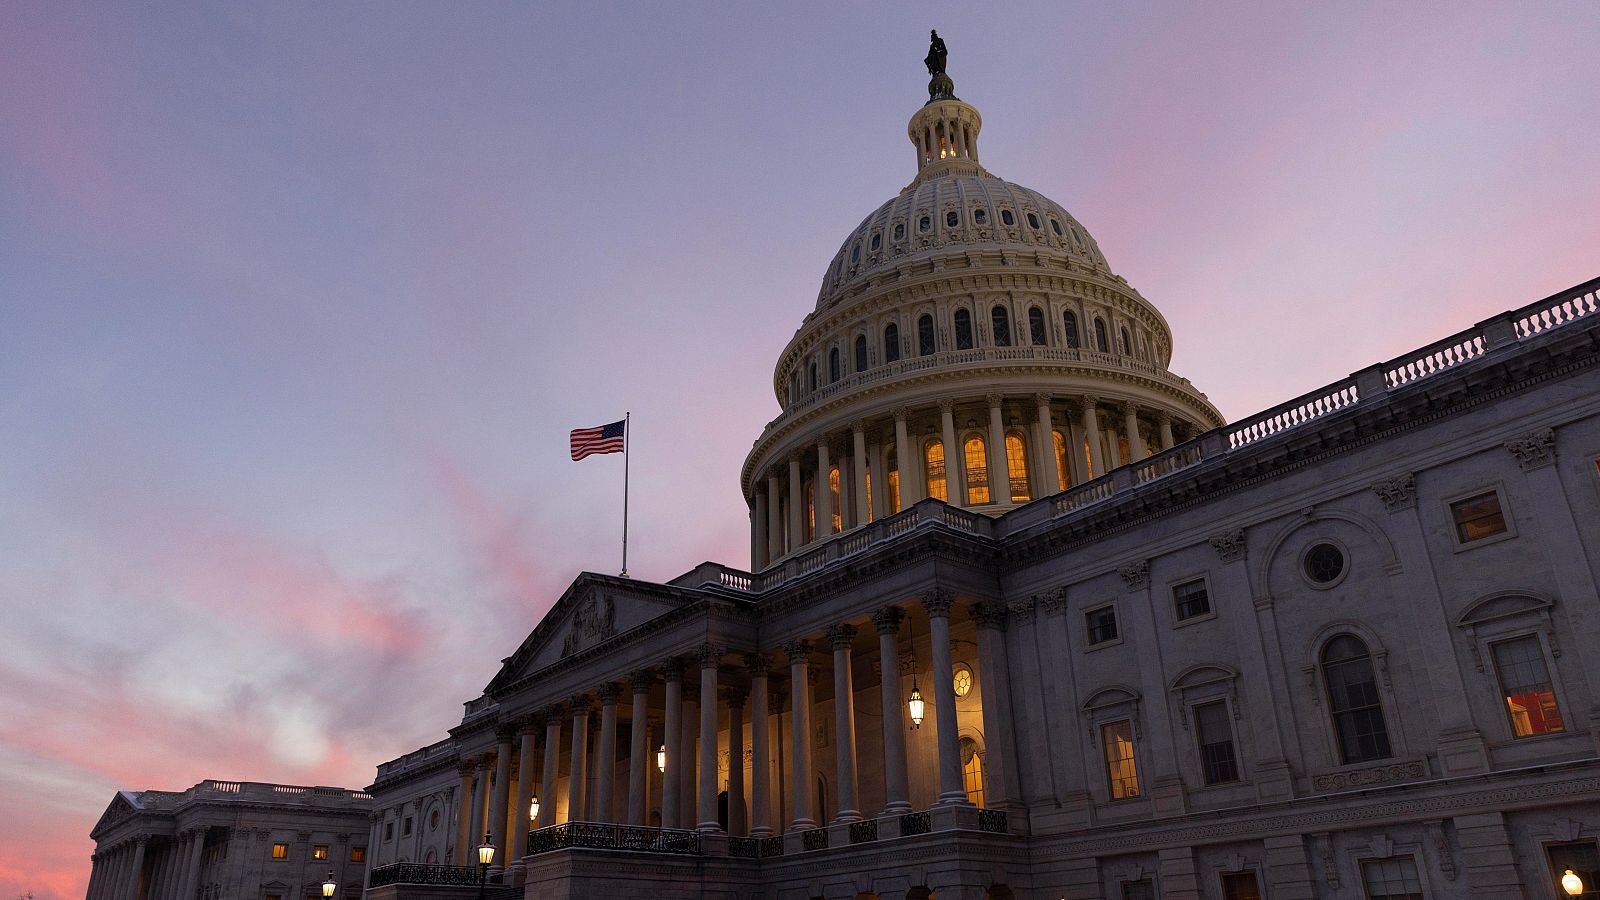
963 680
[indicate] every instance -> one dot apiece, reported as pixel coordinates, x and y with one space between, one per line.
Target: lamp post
485 857
1571 883
329 886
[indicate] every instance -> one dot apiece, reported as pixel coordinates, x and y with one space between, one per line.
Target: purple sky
299 301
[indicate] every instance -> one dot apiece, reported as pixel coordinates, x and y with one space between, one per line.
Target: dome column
1137 448
1164 422
774 518
912 488
999 463
955 473
1091 432
1049 475
858 472
797 507
823 525
758 528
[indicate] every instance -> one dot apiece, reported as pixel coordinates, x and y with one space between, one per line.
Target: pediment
122 807
1110 696
1501 606
1199 676
594 609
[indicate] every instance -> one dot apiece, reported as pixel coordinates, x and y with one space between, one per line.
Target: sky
298 302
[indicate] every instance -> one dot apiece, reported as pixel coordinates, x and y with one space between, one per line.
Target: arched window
924 223
899 231
977 471
1017 466
1063 461
855 254
1101 342
1127 343
833 365
1033 221
1353 700
1007 218
833 499
963 330
861 353
877 241
1036 326
1069 322
1001 320
979 217
933 468
808 489
925 336
891 466
891 342
972 771
952 219
813 376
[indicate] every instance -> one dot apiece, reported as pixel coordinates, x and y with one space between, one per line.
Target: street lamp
329 886
1571 883
485 857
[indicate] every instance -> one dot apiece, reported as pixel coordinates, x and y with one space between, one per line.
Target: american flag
601 439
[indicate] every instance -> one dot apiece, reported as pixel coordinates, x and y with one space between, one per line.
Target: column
760 800
639 761
707 788
847 500
502 796
527 733
994 685
951 788
824 497
858 434
1490 855
955 472
463 818
480 800
797 511
736 816
999 465
1049 476
800 733
774 519
372 848
578 780
758 529
176 856
673 716
1164 422
1289 868
688 773
136 869
606 757
844 723
191 866
1091 432
896 793
909 460
552 767
1137 448
95 874
878 477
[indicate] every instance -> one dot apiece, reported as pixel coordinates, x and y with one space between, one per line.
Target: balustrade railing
815 839
421 873
603 836
916 823
1558 310
744 848
1293 414
863 831
772 846
993 820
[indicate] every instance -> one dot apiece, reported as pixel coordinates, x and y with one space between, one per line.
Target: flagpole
626 442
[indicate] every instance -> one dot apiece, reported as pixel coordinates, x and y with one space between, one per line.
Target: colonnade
173 866
884 465
698 692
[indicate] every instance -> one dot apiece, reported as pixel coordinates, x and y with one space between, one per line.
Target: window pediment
1503 606
1200 676
1110 696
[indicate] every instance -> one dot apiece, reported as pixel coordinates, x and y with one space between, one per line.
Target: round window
963 680
433 821
1324 564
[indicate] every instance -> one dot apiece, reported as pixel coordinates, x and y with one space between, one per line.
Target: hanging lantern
661 758
533 811
1571 883
917 705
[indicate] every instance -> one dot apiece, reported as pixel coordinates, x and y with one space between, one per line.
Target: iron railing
772 846
863 831
993 820
603 836
916 823
421 873
815 839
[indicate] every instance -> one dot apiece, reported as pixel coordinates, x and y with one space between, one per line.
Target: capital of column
1128 408
708 655
841 635
505 731
989 615
1091 401
531 724
554 711
1021 611
887 619
672 668
994 399
608 693
1052 601
901 413
484 763
734 696
641 682
1041 399
141 839
859 426
946 404
937 602
464 769
757 663
581 704
1163 417
799 651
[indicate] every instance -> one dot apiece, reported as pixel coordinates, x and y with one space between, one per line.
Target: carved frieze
1229 545
1534 450
1397 493
594 620
1136 575
1356 778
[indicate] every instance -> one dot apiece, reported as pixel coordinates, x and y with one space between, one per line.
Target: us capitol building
1026 618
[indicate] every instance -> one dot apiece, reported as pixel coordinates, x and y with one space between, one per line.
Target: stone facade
222 840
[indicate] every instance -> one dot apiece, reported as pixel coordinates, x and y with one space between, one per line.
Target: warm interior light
486 850
329 886
533 811
1571 883
661 758
916 705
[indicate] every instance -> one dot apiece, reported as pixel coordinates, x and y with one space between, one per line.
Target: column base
897 808
801 825
953 799
709 828
846 816
761 832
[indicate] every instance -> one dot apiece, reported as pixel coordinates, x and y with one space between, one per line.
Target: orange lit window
1063 462
358 854
1478 517
933 451
972 771
833 499
1121 770
1525 683
1017 467
868 480
977 471
319 852
280 851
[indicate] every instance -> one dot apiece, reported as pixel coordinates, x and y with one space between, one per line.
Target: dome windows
1017 466
1127 342
977 462
813 376
1056 227
1101 342
877 241
1033 221
933 468
1006 218
861 353
963 330
926 342
891 342
980 217
833 365
1036 326
924 224
1069 322
1000 319
855 254
952 219
899 231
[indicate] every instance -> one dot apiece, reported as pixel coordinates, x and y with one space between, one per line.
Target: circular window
963 680
1324 564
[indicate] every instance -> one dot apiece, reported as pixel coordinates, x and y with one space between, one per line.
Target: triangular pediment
122 807
593 611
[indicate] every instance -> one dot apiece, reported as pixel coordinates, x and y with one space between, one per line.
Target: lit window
321 851
1525 684
952 219
1215 736
1478 517
1036 326
1582 859
1142 889
979 217
963 330
281 851
891 342
1240 886
833 365
977 471
861 353
1353 700
972 771
1102 624
925 336
892 499
1101 343
961 680
1002 326
809 489
1391 879
933 454
833 497
868 480
1191 599
1063 464
1007 218
274 897
358 854
1017 467
1069 321
1121 770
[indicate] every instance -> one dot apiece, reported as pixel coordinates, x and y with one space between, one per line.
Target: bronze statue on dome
940 87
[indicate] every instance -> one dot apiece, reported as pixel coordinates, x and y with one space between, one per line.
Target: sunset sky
298 303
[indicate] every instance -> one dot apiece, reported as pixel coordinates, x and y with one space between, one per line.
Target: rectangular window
280 851
1138 890
1391 879
1584 862
388 831
1525 684
1121 769
319 852
405 829
1240 886
1191 599
1478 517
358 854
1102 624
1215 734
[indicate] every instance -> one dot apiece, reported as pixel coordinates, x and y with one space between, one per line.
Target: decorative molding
887 619
799 651
1022 611
1136 575
1534 450
938 602
608 692
841 635
1358 778
1052 601
759 665
1397 493
593 621
708 655
1230 545
640 682
989 615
